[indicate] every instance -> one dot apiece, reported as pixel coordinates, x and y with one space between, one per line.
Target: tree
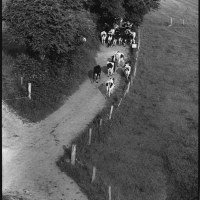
131 10
48 27
136 9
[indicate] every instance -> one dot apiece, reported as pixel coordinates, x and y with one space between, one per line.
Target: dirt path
30 151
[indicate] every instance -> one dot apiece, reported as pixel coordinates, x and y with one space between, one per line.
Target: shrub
49 28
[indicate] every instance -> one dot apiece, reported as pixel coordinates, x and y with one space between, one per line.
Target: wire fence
24 97
171 20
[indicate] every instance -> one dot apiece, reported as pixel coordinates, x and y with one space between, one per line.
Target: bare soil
30 151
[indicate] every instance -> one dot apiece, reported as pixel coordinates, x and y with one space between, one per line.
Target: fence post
111 110
21 80
93 173
29 91
109 192
100 122
73 154
119 102
128 87
125 93
90 136
170 21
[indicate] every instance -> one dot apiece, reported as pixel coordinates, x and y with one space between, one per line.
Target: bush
131 10
49 28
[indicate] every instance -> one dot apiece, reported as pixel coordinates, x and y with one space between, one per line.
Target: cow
96 72
132 35
110 67
116 26
119 59
103 37
114 41
127 70
111 32
120 40
124 42
113 60
110 86
109 40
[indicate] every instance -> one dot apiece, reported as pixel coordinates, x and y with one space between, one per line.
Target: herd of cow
121 34
117 60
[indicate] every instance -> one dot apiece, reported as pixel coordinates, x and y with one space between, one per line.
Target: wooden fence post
109 192
93 173
119 102
100 122
128 87
90 136
21 80
170 21
111 110
73 154
29 91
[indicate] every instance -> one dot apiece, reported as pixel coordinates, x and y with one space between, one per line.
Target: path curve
30 151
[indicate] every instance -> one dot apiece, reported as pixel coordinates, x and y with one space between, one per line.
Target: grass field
149 150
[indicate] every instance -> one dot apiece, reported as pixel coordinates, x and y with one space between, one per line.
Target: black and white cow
110 86
114 41
132 36
127 70
110 67
110 40
96 72
120 40
103 37
111 32
119 59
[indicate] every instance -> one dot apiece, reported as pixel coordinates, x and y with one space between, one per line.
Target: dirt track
30 151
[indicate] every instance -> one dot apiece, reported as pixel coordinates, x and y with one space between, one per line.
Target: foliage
29 68
130 10
49 27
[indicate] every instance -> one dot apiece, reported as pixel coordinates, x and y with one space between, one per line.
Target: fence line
73 151
15 98
29 92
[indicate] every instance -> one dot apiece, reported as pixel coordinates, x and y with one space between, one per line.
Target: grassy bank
148 150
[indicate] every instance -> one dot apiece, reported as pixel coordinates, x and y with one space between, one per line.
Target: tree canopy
48 27
131 10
